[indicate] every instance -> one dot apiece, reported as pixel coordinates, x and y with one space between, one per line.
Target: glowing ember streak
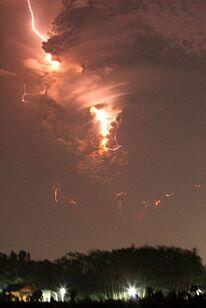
43 38
196 186
121 194
168 195
105 125
44 90
145 203
73 202
23 98
120 197
157 203
56 195
116 148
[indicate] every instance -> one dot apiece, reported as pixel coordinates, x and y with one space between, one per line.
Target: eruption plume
104 117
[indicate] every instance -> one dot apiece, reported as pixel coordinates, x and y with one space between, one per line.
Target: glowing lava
105 124
54 65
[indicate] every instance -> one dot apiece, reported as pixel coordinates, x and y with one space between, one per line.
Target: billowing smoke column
90 90
85 92
104 47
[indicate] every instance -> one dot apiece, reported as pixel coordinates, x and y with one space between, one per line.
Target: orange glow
56 195
196 186
157 203
54 65
105 124
103 118
73 202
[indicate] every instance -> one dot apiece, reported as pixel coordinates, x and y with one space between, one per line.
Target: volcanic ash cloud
104 47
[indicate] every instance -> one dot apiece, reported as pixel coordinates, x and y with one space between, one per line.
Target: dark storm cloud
127 32
111 50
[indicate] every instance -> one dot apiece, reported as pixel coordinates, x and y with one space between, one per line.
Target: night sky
145 61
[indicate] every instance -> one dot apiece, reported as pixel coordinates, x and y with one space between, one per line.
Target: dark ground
148 303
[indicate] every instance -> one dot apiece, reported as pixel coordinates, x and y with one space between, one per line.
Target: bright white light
42 37
62 292
198 292
53 65
132 291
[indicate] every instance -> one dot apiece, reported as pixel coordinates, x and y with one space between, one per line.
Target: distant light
62 292
132 291
198 292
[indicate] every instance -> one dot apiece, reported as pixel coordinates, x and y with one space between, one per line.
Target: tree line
106 274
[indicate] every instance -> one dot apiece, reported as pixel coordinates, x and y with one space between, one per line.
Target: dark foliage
103 274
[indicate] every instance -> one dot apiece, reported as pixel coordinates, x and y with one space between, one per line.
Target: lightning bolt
116 148
53 65
25 93
33 24
23 98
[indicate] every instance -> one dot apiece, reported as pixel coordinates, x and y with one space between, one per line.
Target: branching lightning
23 98
103 116
25 93
54 65
42 37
